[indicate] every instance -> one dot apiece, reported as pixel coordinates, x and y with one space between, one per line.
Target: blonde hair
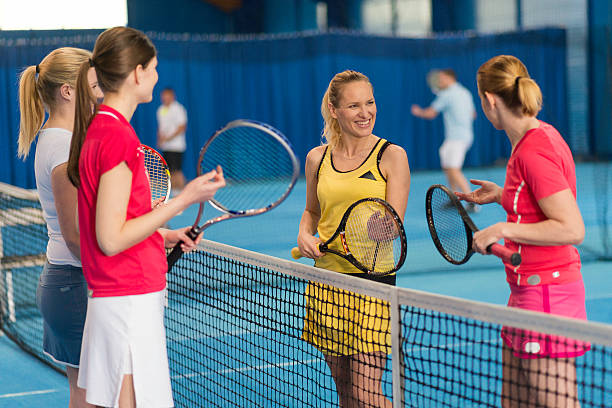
117 52
331 129
507 77
37 91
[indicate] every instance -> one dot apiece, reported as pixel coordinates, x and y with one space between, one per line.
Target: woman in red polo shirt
123 355
543 225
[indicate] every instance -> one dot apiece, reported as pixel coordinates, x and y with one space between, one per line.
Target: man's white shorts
452 153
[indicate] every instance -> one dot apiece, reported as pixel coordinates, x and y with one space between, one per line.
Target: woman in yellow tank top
351 330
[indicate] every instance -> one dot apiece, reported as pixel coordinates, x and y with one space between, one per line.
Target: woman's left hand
483 238
173 237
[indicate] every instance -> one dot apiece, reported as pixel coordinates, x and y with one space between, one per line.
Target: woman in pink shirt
543 224
123 356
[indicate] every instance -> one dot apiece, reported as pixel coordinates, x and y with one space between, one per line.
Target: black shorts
388 279
174 160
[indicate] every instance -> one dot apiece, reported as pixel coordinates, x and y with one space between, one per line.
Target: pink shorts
565 299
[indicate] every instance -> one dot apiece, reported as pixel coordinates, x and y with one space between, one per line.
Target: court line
28 393
599 297
315 360
245 369
451 345
236 333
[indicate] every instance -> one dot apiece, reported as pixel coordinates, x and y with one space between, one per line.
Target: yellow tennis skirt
340 323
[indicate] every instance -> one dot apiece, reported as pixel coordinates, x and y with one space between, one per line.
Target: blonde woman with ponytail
352 164
543 224
62 291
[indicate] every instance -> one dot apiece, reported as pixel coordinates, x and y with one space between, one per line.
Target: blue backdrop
281 79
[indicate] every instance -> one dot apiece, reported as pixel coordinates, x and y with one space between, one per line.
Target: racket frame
340 232
514 258
229 213
149 150
196 229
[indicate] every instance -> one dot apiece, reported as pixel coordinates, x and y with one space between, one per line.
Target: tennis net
241 328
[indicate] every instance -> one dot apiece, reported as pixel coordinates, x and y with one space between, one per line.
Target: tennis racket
451 228
371 236
259 167
157 173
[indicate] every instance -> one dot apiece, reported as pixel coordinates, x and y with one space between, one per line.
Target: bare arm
65 198
563 226
115 233
307 242
424 113
395 168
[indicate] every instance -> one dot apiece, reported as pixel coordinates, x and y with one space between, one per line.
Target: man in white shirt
455 103
172 123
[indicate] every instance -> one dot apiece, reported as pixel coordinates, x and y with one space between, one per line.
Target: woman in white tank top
62 291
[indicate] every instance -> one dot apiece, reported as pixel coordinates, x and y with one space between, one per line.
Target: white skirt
125 335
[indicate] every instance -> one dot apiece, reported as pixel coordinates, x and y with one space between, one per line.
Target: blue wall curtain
18 50
281 80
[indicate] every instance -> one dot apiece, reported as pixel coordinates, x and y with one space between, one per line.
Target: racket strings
158 174
257 172
372 236
449 226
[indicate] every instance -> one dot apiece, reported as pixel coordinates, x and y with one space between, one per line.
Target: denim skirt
61 297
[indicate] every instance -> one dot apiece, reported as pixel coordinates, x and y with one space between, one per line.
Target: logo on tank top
368 175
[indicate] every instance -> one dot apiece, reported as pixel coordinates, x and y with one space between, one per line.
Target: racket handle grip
174 255
295 253
506 254
177 251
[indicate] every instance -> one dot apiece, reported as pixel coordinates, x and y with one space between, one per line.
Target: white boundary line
28 393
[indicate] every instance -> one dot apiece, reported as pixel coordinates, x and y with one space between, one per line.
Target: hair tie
91 62
516 81
37 69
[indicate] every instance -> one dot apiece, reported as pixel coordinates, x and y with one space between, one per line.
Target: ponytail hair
31 110
507 77
38 86
331 129
83 114
117 52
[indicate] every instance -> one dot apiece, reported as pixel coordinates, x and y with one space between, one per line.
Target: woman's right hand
309 246
204 187
488 192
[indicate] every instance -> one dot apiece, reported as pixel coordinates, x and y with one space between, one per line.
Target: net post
396 349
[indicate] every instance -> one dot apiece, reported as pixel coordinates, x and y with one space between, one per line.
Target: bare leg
457 180
367 370
542 382
77 395
127 396
515 392
553 381
341 372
